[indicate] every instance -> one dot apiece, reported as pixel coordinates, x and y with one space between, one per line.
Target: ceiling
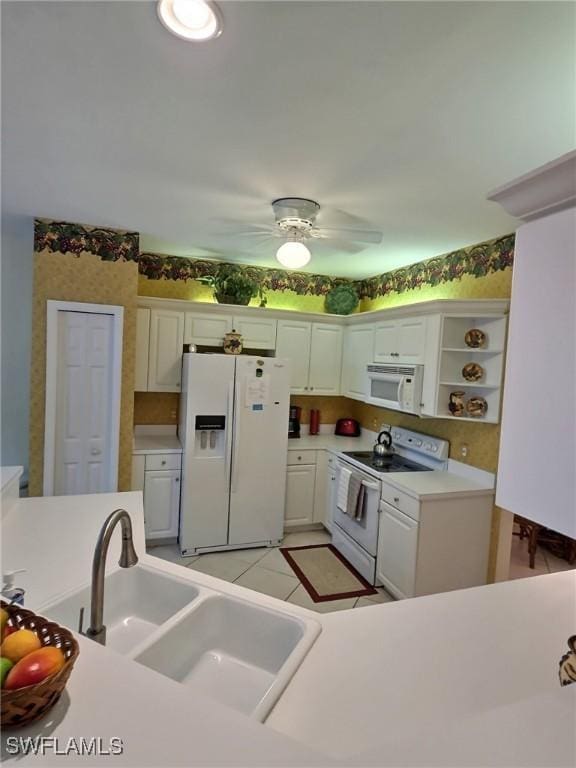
396 116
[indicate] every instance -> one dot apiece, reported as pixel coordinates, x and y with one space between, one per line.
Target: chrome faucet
128 557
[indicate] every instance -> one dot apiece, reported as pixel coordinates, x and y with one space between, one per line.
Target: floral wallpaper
119 245
477 261
64 237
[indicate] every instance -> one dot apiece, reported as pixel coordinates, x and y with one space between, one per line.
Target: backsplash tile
156 407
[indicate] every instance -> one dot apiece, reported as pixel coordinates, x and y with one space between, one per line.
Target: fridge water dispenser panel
210 434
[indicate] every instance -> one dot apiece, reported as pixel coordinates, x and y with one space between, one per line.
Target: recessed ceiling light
191 19
293 254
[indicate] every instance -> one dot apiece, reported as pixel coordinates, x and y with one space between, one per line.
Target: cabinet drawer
163 461
401 501
301 457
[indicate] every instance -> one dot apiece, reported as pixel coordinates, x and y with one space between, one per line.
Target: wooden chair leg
533 544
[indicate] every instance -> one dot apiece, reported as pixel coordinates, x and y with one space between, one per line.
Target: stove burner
394 463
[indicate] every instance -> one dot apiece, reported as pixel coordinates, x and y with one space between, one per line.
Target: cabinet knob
163 462
311 388
176 479
396 499
305 387
299 458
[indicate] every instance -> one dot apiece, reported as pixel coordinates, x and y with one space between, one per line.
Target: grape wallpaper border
122 245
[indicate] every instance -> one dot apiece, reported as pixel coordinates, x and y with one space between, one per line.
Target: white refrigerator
234 433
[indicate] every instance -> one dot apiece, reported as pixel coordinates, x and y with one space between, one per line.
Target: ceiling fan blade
331 245
354 235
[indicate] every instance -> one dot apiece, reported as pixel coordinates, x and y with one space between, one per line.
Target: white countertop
9 475
155 439
479 663
437 484
330 442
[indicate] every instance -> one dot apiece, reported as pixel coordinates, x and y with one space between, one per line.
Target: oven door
385 390
364 531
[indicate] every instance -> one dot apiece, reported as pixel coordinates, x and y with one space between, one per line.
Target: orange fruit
19 644
35 667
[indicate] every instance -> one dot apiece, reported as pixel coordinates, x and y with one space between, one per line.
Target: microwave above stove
397 387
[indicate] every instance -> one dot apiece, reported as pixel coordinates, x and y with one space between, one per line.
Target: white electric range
357 539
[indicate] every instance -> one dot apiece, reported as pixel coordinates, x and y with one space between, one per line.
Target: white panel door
206 330
293 343
539 407
257 333
397 551
358 353
300 482
260 450
325 359
412 339
142 349
161 503
165 358
84 380
386 342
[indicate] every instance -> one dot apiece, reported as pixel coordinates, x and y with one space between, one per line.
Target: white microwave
397 387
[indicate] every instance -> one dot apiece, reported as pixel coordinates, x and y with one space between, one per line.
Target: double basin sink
235 651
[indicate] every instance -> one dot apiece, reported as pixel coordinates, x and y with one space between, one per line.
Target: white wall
537 466
16 330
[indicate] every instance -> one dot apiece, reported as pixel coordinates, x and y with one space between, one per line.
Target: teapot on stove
384 449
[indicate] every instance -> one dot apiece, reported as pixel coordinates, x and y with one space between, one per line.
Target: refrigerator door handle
236 452
229 410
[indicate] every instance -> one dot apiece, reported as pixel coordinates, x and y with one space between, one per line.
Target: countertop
330 442
477 666
156 444
438 484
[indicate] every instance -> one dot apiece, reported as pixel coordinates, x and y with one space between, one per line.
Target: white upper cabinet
257 332
315 354
165 358
358 353
293 342
142 349
400 341
325 359
206 330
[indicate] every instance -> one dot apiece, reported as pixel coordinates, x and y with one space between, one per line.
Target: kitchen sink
137 601
236 652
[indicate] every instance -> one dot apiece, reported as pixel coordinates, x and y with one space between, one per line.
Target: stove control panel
426 444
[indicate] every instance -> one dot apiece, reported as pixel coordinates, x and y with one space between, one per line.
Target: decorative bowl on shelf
472 372
475 338
476 407
456 403
22 706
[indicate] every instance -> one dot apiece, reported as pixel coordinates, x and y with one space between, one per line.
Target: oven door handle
400 394
371 486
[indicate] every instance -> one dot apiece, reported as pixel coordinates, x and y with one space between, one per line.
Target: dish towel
355 490
343 489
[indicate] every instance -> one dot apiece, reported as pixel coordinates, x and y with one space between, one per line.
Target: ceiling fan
296 225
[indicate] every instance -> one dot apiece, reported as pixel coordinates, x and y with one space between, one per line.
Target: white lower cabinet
432 545
158 477
161 503
300 484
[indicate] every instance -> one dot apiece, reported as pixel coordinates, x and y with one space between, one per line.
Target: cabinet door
330 491
166 341
161 503
142 349
293 343
412 339
397 551
325 359
138 464
207 330
300 482
257 333
358 353
386 342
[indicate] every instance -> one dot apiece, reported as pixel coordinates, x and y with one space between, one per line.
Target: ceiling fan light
193 20
293 255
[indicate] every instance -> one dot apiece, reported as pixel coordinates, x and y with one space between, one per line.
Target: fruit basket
22 706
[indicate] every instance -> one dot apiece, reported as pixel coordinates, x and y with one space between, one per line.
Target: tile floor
266 570
545 562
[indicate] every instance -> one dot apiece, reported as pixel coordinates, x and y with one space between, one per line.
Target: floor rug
325 574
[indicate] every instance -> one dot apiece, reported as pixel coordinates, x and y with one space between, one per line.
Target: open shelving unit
455 354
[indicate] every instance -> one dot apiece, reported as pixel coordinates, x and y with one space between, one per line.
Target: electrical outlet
172 414
464 450
385 427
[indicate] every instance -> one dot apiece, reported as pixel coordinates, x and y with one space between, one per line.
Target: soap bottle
14 595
